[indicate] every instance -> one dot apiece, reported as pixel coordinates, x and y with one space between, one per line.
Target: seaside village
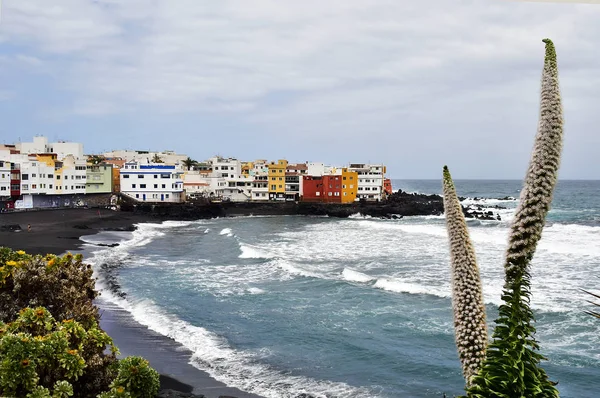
42 174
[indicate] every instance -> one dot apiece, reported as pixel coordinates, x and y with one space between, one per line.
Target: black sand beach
58 231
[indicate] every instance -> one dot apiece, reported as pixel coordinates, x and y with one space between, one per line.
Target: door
144 197
162 197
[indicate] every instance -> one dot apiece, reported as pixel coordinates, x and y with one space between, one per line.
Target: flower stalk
470 327
511 368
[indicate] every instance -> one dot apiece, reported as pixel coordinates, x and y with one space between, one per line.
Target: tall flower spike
512 364
470 328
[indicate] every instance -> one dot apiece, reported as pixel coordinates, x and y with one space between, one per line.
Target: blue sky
415 85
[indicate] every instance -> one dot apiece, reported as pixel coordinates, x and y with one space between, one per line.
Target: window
2 188
132 185
167 196
165 176
50 176
25 187
344 186
164 186
125 175
66 177
25 177
345 193
155 186
140 176
281 186
330 193
155 175
50 186
142 185
137 195
33 176
58 176
273 187
318 193
33 186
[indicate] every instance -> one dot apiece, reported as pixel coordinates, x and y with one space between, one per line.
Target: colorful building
116 179
387 186
99 178
325 189
349 185
277 179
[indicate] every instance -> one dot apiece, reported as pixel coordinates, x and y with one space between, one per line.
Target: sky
412 84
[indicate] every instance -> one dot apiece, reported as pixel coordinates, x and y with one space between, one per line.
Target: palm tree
189 163
157 159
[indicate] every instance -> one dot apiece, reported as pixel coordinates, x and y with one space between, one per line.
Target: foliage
96 159
189 163
64 285
511 368
470 327
135 378
157 159
37 352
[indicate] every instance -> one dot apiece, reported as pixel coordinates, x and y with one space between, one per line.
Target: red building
326 189
387 186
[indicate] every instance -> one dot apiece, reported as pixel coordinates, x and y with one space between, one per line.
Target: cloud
363 66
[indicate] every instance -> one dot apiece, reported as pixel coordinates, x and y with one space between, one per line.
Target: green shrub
136 379
37 352
65 286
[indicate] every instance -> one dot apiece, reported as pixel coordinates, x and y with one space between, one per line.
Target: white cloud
310 65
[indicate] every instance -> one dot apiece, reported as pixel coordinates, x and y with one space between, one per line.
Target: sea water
357 307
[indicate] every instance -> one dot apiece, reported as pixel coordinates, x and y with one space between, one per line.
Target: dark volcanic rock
129 228
81 226
10 227
398 204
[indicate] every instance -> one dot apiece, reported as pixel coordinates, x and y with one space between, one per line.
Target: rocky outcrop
10 227
396 206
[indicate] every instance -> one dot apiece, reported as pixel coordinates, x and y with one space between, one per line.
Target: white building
166 157
5 171
71 175
153 182
224 181
62 149
370 180
37 176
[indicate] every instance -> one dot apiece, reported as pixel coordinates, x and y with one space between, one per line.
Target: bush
136 379
39 353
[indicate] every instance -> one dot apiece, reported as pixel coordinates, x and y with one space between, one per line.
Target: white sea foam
398 286
226 231
236 368
249 251
207 230
488 201
355 276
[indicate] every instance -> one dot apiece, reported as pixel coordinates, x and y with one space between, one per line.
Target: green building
99 178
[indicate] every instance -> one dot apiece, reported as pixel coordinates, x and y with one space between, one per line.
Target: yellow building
277 179
349 185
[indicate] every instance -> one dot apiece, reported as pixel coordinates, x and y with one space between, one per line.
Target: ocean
357 307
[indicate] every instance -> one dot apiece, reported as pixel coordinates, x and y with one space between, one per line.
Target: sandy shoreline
59 231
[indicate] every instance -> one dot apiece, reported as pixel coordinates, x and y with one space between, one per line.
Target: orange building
349 185
116 177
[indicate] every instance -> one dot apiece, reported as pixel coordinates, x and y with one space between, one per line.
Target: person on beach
28 227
